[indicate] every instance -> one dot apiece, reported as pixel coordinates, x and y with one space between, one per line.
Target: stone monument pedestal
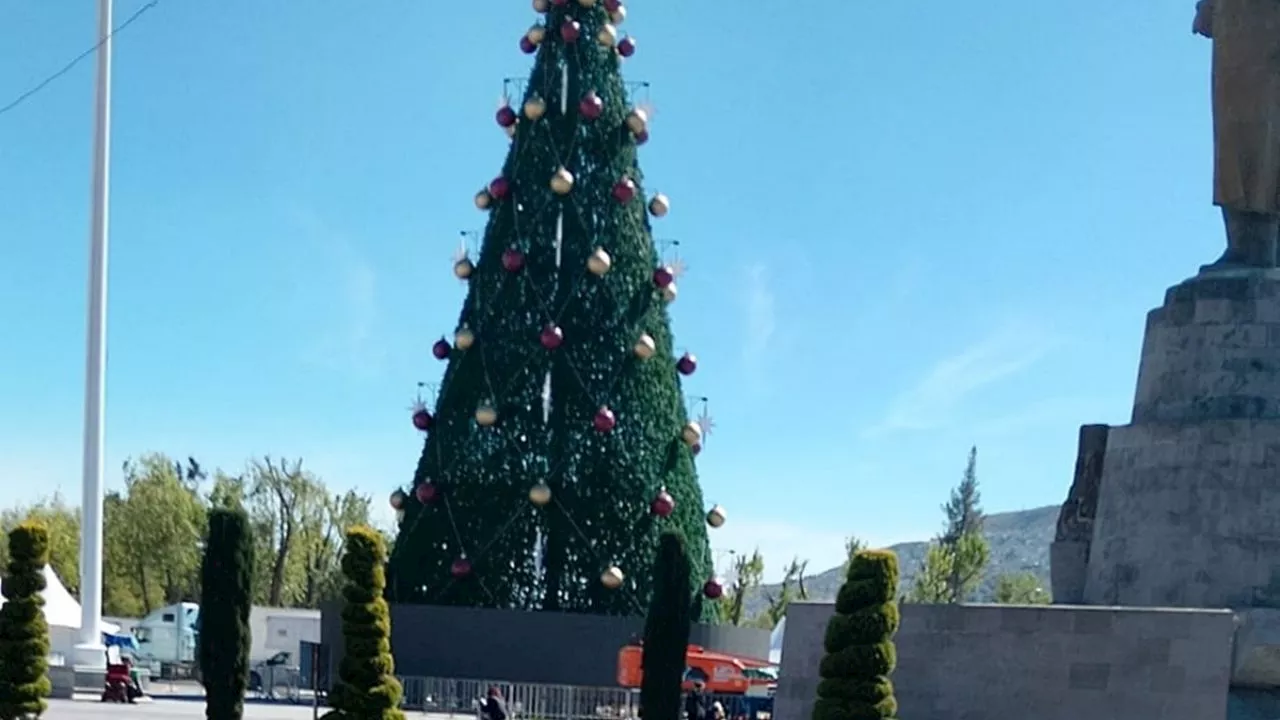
1188 508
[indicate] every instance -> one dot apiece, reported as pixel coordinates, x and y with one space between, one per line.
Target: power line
76 61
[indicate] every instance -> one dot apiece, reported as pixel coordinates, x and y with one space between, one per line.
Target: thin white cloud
760 320
930 403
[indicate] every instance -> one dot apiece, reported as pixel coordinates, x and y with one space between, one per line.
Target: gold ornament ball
483 200
541 6
397 499
716 516
612 577
599 262
669 292
645 347
587 3
660 205
618 16
536 34
607 36
692 433
540 494
534 108
637 121
463 268
463 339
486 415
562 182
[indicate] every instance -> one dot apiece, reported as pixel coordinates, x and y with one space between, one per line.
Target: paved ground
163 709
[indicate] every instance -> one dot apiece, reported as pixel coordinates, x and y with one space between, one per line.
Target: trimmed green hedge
855 681
367 688
226 598
24 634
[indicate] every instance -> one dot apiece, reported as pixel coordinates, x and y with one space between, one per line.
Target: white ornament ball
463 268
608 35
612 578
397 499
618 16
645 347
534 108
483 200
669 292
463 339
536 34
510 130
486 415
599 263
587 3
691 434
637 121
540 494
660 205
541 6
716 516
562 182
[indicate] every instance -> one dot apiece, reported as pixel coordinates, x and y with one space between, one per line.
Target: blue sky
910 227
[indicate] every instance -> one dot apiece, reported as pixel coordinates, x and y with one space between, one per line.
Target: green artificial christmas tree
24 634
367 688
666 632
226 597
559 447
859 643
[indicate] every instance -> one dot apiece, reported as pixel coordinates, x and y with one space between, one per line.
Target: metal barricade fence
526 701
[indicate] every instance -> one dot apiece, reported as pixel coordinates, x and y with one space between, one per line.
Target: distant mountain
1019 543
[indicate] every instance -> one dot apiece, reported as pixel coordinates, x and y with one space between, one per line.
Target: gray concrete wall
994 662
519 646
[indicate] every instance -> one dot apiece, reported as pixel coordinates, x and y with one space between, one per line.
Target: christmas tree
560 447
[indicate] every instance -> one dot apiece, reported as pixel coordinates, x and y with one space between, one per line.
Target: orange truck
723 674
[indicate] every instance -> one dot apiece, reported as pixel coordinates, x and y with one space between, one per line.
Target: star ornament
706 423
678 268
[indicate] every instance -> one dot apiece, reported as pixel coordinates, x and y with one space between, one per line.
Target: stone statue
1246 125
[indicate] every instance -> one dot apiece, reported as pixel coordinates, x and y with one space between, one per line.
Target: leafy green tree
562 372
852 546
367 688
956 559
24 634
163 513
666 631
226 575
861 655
1021 589
63 523
748 572
792 588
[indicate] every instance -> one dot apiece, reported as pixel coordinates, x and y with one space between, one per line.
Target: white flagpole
90 651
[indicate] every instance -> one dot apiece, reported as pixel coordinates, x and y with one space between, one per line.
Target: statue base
1189 502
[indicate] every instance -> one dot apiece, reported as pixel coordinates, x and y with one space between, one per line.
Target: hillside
1019 543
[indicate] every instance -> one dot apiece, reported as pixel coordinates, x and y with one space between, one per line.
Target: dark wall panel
518 646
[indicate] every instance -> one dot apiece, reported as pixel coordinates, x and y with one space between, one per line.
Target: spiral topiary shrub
666 631
860 656
226 598
367 688
24 634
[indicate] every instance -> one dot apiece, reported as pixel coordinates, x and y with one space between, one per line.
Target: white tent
775 641
60 609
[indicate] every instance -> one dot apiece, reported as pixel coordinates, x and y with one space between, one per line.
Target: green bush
367 688
859 643
666 631
226 597
24 634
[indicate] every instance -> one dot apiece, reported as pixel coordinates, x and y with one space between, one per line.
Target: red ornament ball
627 47
551 337
460 568
427 493
687 364
422 420
642 137
441 349
663 276
512 260
506 116
612 5
570 31
663 504
499 188
624 191
559 3
527 46
695 448
713 589
591 106
604 420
